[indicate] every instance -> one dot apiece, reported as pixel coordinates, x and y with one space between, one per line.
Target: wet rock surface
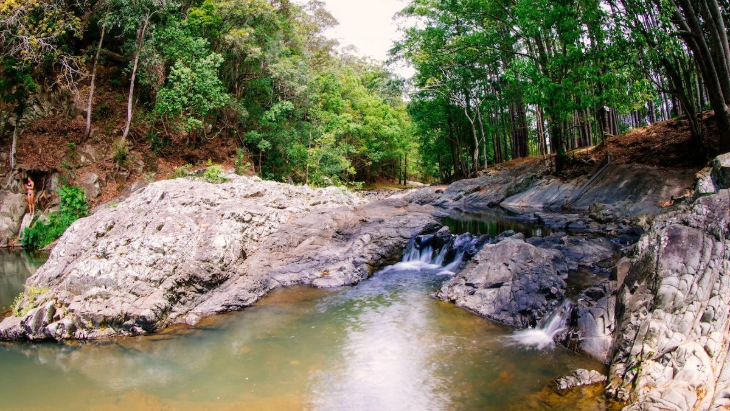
593 321
579 378
511 282
179 250
483 192
622 190
517 282
578 251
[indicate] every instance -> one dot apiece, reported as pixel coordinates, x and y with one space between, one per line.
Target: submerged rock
182 249
579 378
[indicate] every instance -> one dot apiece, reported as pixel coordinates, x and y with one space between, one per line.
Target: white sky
368 25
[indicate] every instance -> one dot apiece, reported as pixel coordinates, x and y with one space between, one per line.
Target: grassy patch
30 293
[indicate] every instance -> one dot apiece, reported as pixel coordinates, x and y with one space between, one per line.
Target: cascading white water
543 335
441 256
450 268
421 254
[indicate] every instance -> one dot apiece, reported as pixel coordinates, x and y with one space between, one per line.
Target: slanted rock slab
510 282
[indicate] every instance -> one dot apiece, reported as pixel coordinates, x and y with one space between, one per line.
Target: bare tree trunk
709 44
309 148
652 112
14 144
405 169
87 130
140 40
541 132
441 169
484 136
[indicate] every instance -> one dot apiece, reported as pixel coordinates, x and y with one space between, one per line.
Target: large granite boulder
511 282
578 251
674 313
182 249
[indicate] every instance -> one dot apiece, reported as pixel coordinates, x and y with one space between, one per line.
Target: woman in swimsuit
29 193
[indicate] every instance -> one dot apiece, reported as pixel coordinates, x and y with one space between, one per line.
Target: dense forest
495 80
499 80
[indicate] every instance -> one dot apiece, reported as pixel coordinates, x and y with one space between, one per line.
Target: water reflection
493 223
386 359
15 268
384 344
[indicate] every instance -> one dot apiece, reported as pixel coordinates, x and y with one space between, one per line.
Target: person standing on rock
30 195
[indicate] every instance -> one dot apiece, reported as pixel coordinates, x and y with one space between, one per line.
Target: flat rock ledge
179 250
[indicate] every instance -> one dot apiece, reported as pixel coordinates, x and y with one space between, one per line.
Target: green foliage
157 143
193 92
214 174
73 205
33 34
73 201
121 153
183 171
240 164
30 294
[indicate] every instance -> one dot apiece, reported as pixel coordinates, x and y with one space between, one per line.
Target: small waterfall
439 260
543 335
450 268
442 250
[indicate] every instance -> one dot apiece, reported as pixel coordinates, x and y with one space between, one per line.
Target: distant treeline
502 79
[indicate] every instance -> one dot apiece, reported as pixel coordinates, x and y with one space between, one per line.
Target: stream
384 344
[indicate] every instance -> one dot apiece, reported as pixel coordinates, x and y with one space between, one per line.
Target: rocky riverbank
180 250
661 321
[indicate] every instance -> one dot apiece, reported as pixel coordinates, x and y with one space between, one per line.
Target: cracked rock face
593 321
674 323
183 249
511 282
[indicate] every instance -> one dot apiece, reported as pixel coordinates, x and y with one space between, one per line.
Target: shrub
19 309
157 143
240 164
121 153
73 206
73 201
183 171
213 173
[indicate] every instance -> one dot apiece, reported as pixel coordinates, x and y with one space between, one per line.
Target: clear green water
493 223
382 345
15 267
